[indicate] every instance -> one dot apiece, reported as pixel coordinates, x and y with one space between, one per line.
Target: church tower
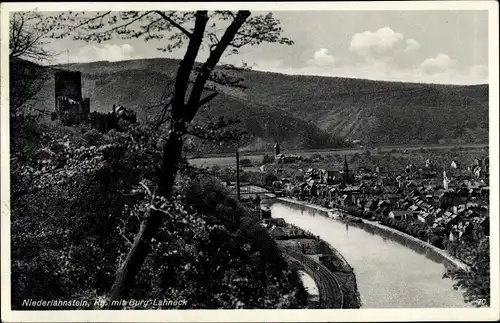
346 170
446 181
276 149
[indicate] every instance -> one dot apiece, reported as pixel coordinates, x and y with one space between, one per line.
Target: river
388 273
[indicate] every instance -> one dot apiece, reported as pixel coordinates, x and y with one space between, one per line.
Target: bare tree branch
121 232
207 99
28 29
176 25
186 65
88 21
26 79
212 60
148 191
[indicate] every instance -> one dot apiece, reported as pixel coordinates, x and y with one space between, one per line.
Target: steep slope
135 85
376 112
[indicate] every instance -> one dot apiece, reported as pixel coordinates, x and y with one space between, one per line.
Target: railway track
330 293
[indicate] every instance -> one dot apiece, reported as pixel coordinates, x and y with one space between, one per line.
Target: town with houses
450 203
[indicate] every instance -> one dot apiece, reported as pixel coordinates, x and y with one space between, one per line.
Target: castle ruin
71 108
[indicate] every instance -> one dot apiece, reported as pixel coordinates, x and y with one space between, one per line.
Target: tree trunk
182 114
142 244
172 151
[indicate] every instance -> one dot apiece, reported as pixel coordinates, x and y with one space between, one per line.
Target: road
330 293
306 152
256 157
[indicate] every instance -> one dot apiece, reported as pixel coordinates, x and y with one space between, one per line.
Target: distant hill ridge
305 111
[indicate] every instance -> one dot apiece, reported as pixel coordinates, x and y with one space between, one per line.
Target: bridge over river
252 190
389 273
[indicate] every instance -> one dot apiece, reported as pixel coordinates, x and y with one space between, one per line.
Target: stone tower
68 84
70 106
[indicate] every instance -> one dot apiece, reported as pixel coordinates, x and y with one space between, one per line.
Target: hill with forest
302 111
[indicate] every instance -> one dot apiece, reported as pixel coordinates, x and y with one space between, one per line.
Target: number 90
481 302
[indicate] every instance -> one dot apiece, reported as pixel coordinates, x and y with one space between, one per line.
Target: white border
387 315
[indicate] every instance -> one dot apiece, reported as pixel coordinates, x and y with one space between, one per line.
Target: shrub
317 156
93 137
437 241
422 235
245 162
475 282
269 178
69 236
267 160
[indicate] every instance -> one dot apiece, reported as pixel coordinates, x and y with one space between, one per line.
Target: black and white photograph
271 161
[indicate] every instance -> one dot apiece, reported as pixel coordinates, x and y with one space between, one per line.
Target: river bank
324 253
420 246
391 271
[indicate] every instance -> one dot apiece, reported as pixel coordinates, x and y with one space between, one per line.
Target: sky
445 46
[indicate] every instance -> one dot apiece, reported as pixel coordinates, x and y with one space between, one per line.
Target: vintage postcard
235 162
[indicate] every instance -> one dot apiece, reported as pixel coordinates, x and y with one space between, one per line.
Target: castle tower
68 84
70 106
